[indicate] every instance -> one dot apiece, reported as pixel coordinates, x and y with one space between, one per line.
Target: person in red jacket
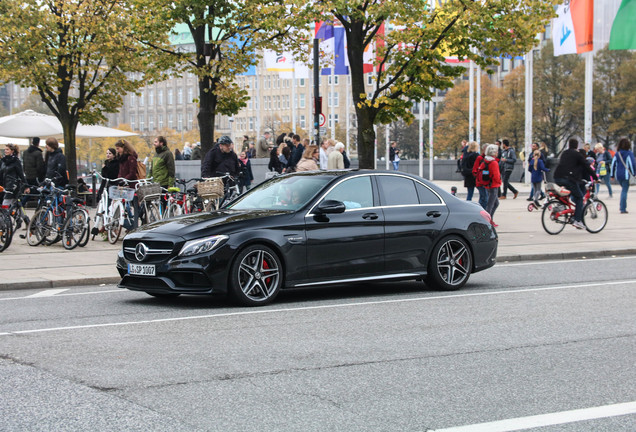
483 192
127 157
489 177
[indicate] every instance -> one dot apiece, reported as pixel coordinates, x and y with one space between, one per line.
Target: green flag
623 36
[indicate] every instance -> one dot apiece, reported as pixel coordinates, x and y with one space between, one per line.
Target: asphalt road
520 341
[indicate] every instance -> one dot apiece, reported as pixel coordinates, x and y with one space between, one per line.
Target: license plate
141 269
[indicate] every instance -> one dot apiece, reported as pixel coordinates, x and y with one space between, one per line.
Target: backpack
484 169
141 170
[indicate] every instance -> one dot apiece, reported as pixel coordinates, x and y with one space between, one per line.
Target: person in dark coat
55 163
467 165
110 170
33 164
127 158
245 180
11 174
274 161
220 160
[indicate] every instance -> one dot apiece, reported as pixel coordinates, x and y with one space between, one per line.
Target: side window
397 191
354 193
426 195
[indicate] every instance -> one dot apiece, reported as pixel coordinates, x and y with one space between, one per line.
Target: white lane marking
309 308
559 262
47 293
557 418
66 294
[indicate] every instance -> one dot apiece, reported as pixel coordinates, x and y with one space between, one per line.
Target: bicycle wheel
36 227
152 212
6 230
50 228
87 218
173 210
75 229
551 223
114 229
595 216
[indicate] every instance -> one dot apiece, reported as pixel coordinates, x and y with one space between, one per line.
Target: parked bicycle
16 210
59 216
6 228
114 208
559 210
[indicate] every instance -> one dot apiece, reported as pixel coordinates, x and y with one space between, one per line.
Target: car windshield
282 193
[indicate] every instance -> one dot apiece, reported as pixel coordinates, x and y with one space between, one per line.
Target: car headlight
199 246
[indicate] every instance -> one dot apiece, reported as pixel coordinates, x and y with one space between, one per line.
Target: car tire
450 264
256 276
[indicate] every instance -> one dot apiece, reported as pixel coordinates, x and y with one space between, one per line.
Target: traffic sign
322 119
323 131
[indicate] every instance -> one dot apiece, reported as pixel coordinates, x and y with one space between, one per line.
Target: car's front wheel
450 264
256 276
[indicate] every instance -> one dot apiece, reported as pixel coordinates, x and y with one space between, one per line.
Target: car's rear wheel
256 276
450 264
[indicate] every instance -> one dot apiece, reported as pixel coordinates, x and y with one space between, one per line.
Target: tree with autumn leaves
80 56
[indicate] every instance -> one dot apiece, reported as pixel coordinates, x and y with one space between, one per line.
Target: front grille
158 251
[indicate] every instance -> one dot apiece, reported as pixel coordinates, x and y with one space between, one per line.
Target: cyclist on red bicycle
569 173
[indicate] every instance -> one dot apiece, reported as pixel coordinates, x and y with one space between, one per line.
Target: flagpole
293 104
386 142
589 76
421 140
332 100
478 107
430 139
347 94
258 104
528 110
471 101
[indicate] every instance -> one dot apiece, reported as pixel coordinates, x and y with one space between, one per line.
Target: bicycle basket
211 189
147 191
121 192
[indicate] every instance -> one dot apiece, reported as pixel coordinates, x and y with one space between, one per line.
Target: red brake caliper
266 266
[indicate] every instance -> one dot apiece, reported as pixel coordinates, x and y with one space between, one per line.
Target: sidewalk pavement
521 237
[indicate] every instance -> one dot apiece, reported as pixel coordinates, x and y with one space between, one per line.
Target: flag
370 51
332 44
285 64
623 36
573 28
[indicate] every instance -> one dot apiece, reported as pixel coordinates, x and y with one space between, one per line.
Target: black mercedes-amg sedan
310 229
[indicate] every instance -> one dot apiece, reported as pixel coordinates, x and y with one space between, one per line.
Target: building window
333 99
151 97
170 121
151 122
141 99
335 80
190 120
179 121
278 105
142 123
179 95
333 120
190 94
303 122
251 123
132 99
132 122
250 104
160 121
169 96
301 82
160 97
302 100
369 79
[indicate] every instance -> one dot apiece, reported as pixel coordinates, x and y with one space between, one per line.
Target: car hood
196 224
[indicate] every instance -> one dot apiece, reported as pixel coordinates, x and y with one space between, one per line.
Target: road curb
47 284
565 255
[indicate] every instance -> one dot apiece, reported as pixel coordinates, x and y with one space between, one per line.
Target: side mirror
330 207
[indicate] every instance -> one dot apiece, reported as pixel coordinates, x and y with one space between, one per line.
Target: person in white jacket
336 161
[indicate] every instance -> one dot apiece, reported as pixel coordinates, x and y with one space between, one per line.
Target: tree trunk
205 116
366 140
69 125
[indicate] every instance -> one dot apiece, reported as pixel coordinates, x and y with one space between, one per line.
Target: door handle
372 216
434 213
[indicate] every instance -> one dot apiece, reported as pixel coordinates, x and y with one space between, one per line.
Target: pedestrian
187 151
296 155
572 168
588 151
265 144
221 160
336 161
324 155
274 160
623 166
284 155
246 176
12 176
177 155
55 163
309 161
479 183
127 160
468 162
110 170
394 155
507 165
537 168
491 178
603 163
251 151
162 169
544 156
33 164
196 151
